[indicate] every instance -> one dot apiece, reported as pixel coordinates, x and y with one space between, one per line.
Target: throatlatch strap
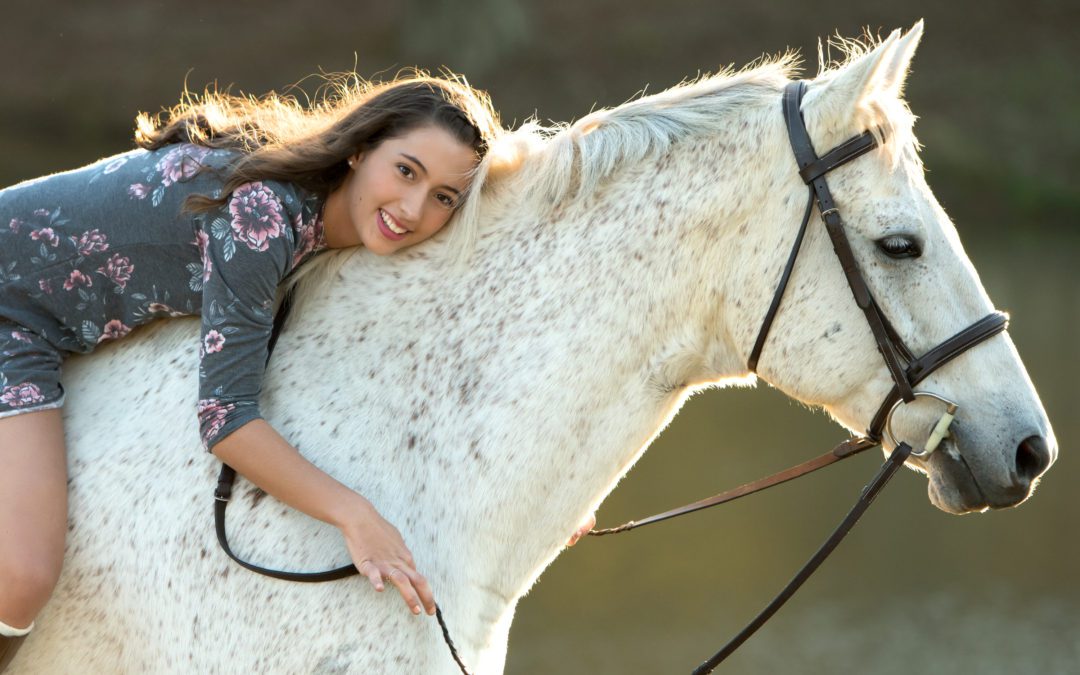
778 295
811 168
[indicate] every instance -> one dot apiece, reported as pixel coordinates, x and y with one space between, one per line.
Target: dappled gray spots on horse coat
586 317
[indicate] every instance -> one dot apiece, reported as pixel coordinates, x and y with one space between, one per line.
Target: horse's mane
542 166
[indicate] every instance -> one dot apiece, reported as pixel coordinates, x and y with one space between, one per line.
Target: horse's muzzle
955 488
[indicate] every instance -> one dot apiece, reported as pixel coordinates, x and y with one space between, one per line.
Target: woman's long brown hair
282 140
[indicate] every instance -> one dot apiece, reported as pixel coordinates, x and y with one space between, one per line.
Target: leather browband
841 154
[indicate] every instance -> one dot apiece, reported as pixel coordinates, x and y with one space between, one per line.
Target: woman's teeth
391 223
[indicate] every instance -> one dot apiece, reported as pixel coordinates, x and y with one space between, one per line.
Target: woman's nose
412 205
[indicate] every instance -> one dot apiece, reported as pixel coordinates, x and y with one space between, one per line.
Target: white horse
623 262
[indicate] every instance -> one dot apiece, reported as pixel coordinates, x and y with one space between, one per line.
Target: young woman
224 197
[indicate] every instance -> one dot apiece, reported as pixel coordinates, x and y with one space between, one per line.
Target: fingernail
416 609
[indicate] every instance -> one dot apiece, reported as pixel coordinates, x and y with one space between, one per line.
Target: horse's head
821 350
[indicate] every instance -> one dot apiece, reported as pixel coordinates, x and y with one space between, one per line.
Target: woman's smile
400 192
389 226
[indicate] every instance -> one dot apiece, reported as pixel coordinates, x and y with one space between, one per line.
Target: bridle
906 370
896 354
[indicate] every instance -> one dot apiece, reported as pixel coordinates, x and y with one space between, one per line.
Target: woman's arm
262 456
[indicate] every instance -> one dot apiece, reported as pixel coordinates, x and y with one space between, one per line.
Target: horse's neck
540 376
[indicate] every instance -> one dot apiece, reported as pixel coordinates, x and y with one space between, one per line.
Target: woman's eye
899 246
405 170
446 200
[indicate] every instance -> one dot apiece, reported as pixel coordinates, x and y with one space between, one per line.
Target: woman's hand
380 554
262 456
589 524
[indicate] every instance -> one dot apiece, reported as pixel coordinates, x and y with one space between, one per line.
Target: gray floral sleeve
248 248
88 255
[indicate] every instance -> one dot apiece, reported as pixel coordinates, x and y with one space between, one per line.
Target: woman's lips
385 229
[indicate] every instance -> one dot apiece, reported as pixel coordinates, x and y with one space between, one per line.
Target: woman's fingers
405 586
412 585
422 588
383 557
582 530
371 571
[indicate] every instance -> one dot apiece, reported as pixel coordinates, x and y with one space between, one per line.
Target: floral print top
86 255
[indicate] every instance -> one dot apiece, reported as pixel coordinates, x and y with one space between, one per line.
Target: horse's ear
837 97
893 75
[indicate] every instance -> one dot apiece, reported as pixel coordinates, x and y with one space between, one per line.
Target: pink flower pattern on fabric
90 242
161 308
47 234
202 240
66 248
114 165
256 216
77 279
20 395
212 415
309 236
118 269
213 342
114 330
181 162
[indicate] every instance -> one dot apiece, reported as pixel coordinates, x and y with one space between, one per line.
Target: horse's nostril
1032 458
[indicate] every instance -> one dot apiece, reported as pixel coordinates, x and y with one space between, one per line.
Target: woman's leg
33 512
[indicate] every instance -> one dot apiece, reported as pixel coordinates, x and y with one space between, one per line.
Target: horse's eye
899 246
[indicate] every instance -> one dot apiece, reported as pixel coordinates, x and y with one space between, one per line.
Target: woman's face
401 192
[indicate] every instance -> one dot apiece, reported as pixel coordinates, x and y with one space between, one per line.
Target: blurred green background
913 590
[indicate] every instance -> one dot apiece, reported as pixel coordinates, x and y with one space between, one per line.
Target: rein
906 370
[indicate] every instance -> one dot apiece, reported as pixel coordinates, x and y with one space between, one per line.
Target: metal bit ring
941 429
